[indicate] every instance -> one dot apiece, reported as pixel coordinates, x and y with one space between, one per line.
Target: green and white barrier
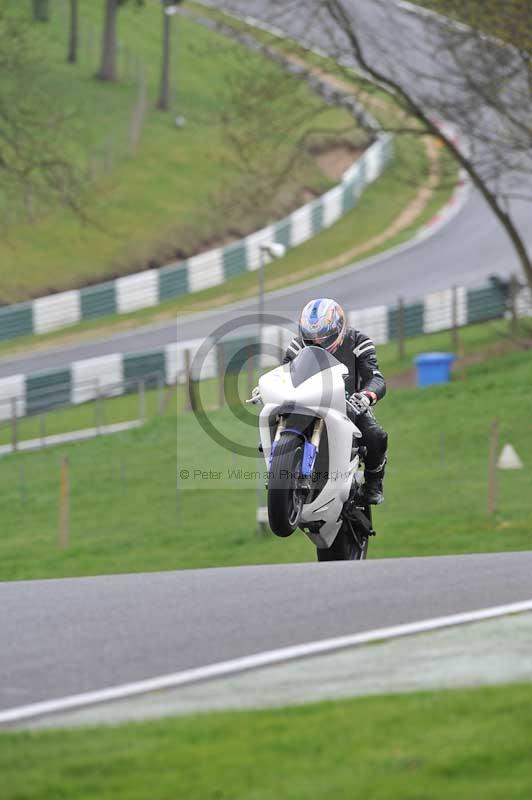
115 374
152 287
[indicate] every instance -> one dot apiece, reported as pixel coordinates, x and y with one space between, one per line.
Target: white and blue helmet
323 324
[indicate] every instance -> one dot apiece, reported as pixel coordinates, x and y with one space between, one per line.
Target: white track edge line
268 658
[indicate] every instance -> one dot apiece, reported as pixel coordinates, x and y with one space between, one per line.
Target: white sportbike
313 456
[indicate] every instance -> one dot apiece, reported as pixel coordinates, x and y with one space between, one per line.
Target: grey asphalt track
471 247
487 653
63 637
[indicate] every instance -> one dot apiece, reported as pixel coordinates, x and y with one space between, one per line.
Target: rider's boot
373 489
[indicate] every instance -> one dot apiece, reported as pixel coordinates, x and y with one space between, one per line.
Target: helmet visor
321 341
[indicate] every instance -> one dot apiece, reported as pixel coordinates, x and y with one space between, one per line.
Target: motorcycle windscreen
310 361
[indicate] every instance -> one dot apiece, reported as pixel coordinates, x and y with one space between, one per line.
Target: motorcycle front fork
315 439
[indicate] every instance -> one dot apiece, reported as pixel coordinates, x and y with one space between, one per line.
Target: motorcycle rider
323 323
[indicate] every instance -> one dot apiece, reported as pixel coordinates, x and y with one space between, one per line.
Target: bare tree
108 69
441 70
108 65
73 38
41 10
273 130
36 165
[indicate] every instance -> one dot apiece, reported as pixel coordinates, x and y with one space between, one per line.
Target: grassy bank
145 205
376 211
126 516
368 228
464 744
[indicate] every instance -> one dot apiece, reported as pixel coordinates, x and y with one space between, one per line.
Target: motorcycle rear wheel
344 548
285 500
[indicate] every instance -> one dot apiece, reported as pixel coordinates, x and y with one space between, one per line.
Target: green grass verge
141 204
127 517
462 744
106 411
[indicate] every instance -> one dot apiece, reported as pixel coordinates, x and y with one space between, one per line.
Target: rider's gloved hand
359 402
255 395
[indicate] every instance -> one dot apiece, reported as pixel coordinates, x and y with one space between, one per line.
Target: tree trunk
163 102
108 71
74 32
41 10
338 13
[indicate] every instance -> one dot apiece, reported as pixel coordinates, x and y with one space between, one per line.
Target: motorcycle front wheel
285 499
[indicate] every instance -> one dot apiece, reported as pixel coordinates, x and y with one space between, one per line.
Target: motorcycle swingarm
355 515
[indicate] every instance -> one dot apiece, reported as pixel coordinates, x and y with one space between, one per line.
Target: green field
126 517
423 746
149 206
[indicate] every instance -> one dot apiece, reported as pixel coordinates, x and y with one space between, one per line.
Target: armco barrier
110 375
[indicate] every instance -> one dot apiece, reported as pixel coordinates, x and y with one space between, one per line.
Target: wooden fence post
220 360
14 427
142 399
456 343
455 337
513 292
160 393
492 467
98 409
42 429
190 384
64 504
167 395
250 370
401 327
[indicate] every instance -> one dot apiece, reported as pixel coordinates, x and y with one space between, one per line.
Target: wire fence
100 408
189 363
450 310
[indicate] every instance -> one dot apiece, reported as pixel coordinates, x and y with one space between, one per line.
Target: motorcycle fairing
279 393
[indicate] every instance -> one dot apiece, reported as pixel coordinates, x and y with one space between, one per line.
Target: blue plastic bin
433 368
